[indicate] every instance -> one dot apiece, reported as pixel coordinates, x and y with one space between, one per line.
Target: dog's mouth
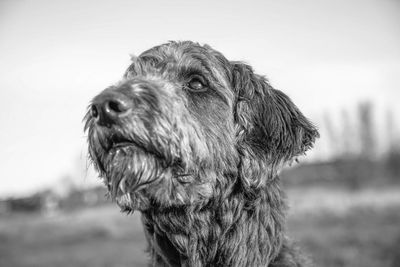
116 141
124 154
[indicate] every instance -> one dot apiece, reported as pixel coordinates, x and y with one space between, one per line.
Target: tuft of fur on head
201 166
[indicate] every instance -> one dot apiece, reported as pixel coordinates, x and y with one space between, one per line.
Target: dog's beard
130 168
137 179
127 170
143 173
136 175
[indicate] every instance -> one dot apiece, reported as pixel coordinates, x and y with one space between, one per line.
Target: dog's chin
140 178
133 175
127 171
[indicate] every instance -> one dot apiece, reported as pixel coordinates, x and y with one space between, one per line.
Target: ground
337 227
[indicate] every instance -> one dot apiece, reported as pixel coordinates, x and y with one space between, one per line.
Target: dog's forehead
184 51
185 55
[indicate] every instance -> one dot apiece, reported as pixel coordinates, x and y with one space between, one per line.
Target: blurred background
339 61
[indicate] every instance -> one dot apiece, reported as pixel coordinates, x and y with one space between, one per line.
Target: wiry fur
202 166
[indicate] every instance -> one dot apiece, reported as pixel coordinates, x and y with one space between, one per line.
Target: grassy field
336 227
347 228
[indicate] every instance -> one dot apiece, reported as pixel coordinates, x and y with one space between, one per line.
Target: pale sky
56 55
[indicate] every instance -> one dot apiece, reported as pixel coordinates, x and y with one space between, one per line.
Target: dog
194 142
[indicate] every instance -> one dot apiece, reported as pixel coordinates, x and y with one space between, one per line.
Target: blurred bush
392 164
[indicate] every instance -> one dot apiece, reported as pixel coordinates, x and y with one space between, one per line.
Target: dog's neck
235 231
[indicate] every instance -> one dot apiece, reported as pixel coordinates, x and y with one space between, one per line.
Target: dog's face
185 124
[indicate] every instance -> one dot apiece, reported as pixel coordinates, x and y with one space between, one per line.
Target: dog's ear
270 127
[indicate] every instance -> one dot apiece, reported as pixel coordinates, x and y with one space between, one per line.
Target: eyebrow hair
203 64
191 70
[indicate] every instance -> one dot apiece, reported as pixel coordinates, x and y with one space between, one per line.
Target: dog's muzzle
124 142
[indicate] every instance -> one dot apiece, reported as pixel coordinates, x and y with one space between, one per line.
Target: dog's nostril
94 111
116 106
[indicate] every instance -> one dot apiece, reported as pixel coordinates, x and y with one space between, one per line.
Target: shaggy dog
194 142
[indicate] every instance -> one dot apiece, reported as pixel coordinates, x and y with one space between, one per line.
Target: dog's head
185 124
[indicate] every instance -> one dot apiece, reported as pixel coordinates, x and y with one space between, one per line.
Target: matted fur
201 166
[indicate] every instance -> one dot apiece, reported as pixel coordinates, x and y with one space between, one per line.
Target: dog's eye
196 84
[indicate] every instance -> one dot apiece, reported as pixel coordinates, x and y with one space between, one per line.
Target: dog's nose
108 108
